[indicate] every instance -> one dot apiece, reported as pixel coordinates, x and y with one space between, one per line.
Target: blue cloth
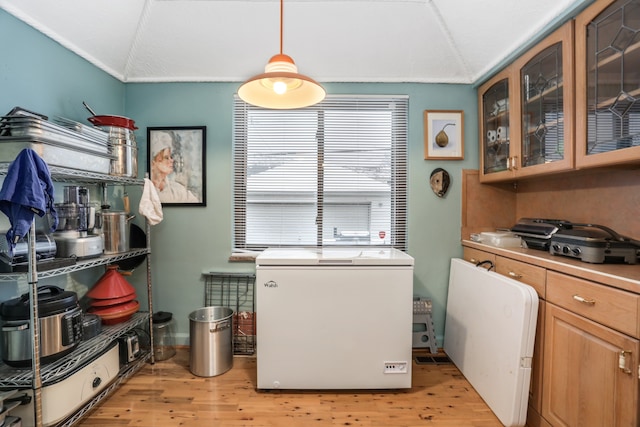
27 190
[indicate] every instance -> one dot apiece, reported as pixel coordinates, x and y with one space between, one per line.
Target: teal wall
43 76
38 74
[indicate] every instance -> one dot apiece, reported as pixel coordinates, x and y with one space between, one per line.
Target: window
330 174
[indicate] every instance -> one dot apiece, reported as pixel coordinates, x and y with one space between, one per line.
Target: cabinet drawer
475 256
608 306
528 274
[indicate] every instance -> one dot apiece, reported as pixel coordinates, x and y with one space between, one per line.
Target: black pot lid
51 300
162 317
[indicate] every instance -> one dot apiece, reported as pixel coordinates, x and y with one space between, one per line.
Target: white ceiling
443 41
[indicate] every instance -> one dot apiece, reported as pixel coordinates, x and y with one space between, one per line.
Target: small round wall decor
439 181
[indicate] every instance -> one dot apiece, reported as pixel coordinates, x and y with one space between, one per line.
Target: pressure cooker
59 319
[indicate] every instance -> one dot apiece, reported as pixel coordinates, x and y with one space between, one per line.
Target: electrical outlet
395 367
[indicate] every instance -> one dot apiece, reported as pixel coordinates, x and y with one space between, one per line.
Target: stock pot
115 228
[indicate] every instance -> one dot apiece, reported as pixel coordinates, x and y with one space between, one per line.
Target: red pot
119 121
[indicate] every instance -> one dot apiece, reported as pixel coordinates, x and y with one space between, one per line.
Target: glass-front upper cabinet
527 112
545 100
608 84
495 141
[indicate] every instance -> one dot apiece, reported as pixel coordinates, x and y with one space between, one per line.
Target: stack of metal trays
62 144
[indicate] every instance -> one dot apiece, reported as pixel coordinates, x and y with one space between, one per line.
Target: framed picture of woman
176 164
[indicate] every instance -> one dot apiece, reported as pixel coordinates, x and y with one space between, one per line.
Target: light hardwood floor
167 394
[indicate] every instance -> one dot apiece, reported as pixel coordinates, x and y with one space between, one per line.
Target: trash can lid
162 317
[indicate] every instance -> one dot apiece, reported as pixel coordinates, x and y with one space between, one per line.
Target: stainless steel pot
125 162
122 145
60 322
115 228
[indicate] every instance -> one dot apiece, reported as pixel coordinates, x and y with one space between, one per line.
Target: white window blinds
331 174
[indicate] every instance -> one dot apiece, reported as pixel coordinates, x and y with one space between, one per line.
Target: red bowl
116 313
113 301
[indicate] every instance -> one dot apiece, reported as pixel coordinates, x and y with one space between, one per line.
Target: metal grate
236 291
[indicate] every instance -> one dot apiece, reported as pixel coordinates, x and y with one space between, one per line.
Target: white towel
150 206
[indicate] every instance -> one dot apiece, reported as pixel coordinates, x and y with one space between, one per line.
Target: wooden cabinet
546 105
585 364
608 84
571 102
527 113
584 384
611 307
591 354
497 150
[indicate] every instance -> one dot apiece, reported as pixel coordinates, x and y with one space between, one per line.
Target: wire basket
236 291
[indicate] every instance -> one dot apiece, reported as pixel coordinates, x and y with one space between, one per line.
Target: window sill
243 256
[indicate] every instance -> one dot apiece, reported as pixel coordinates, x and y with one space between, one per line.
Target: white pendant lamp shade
280 86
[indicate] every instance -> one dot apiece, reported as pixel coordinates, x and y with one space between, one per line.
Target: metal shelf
38 374
60 174
86 350
80 265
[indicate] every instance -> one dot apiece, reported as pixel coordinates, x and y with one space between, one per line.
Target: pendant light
280 86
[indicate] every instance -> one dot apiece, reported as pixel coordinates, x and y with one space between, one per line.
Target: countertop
621 276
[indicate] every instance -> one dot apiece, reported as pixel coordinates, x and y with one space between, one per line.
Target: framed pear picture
443 134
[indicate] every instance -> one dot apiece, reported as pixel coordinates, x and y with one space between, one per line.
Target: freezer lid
334 256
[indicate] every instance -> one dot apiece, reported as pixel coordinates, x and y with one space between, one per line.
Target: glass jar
163 335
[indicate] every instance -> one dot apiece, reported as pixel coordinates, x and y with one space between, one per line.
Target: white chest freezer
489 335
334 318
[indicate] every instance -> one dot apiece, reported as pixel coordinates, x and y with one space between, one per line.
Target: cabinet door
608 84
583 383
496 142
545 105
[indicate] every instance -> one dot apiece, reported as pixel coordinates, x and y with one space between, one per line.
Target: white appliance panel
489 335
61 399
334 326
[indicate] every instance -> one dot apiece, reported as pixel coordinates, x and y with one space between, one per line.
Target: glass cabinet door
545 105
609 33
541 85
495 127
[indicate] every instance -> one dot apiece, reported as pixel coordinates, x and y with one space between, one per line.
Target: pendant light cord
281 23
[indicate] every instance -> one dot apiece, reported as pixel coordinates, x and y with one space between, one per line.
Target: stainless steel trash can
211 341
